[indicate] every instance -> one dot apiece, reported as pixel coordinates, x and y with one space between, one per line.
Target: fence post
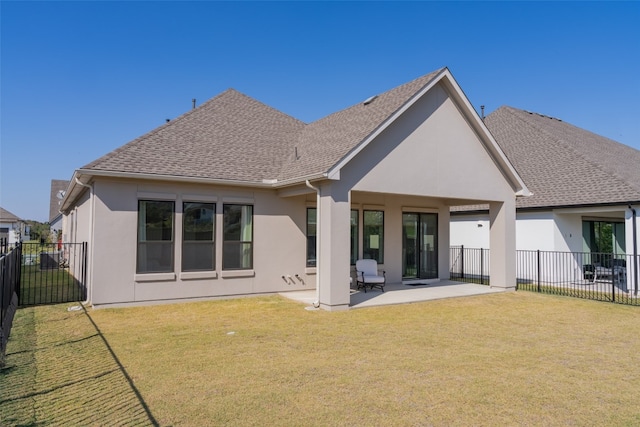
462 261
481 266
613 279
539 267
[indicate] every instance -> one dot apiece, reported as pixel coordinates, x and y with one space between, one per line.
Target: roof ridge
306 141
567 145
153 131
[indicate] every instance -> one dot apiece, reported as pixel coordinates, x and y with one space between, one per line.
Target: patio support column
502 234
334 246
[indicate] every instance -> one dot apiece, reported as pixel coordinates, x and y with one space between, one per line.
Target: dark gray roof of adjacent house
57 185
236 138
7 216
562 164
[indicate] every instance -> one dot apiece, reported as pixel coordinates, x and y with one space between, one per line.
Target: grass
42 286
503 359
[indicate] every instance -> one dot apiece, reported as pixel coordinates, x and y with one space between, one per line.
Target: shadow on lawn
77 381
124 371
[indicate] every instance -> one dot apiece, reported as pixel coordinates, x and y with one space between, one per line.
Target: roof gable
562 164
7 216
325 142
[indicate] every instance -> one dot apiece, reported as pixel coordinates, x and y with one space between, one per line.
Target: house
12 228
58 189
586 188
236 198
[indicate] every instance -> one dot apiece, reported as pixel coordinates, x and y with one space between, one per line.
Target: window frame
198 242
225 241
366 238
170 268
355 236
312 247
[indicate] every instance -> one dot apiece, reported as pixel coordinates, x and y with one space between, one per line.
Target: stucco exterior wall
430 150
279 244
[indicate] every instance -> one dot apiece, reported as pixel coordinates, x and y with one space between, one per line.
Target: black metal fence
469 264
53 273
9 287
596 276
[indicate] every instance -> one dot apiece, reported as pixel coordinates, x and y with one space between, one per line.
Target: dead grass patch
502 359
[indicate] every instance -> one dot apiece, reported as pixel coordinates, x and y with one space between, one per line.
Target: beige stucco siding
279 244
430 150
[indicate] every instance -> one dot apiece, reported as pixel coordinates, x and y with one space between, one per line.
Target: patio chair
367 275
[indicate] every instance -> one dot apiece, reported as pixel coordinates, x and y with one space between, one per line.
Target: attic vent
369 100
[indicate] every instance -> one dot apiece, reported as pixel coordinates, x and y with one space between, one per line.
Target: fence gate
53 273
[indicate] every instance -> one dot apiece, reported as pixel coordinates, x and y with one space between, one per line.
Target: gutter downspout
90 266
635 250
316 303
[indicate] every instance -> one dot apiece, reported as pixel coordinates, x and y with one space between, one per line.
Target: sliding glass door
419 245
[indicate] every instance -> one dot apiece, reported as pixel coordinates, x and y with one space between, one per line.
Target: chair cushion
373 279
367 266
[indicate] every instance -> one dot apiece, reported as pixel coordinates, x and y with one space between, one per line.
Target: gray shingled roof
7 216
562 164
325 142
234 137
230 137
54 203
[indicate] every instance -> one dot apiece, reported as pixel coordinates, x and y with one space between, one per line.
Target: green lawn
42 286
503 359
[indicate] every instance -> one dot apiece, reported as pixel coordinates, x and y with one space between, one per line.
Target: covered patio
397 293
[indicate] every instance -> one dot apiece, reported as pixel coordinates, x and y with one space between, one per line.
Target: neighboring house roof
58 186
564 165
235 139
6 216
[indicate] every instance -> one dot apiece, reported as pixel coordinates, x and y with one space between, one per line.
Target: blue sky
79 79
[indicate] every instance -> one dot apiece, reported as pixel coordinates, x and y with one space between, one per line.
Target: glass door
420 245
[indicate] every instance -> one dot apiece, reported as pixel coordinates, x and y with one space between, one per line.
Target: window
603 236
237 248
373 235
311 236
155 236
354 237
198 231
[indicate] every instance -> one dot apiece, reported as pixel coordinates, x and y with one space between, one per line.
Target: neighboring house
586 188
237 198
12 228
58 189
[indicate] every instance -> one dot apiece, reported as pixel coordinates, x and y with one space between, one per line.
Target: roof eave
83 177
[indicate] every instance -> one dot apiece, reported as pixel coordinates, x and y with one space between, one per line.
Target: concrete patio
397 293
